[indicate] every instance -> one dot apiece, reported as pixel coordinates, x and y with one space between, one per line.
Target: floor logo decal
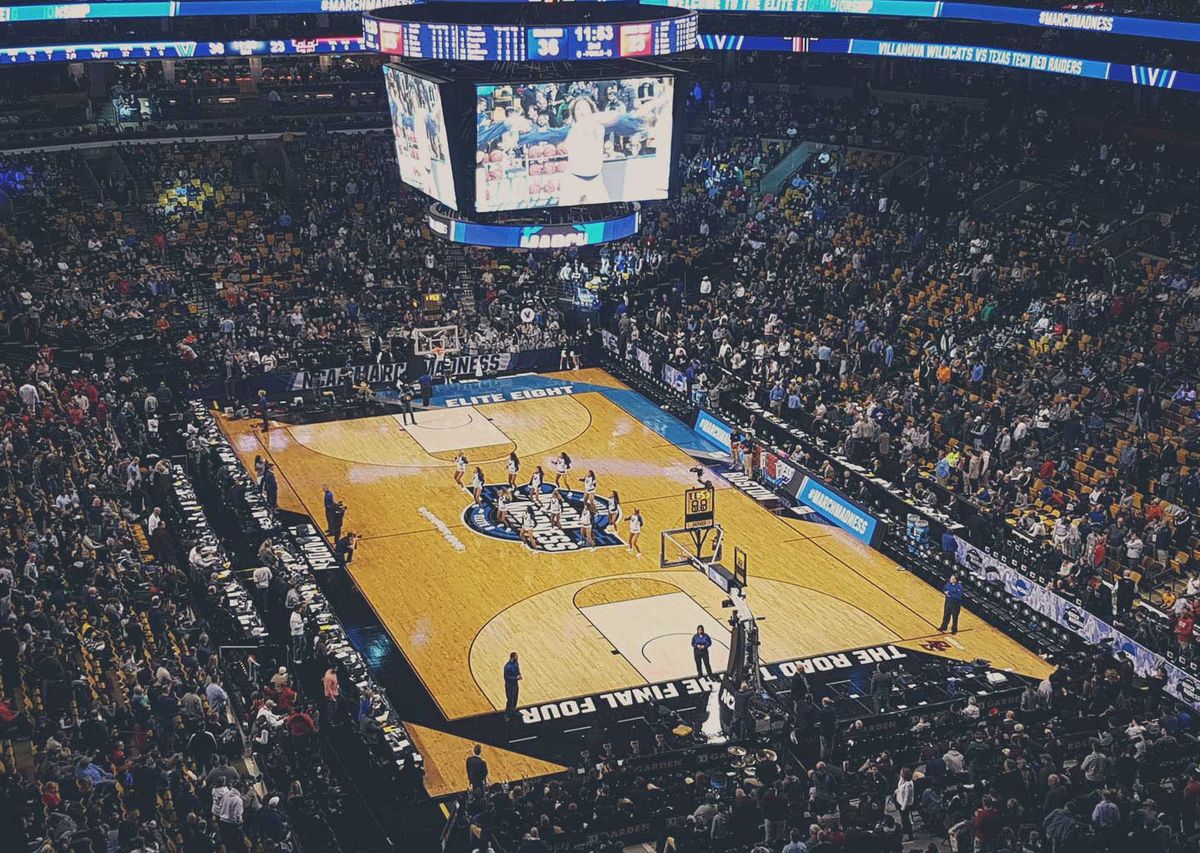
482 519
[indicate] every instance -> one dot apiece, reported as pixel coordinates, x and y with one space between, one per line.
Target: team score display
698 507
636 39
547 42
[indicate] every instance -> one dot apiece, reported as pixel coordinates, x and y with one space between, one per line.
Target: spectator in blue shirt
777 395
330 507
89 772
701 643
953 604
796 845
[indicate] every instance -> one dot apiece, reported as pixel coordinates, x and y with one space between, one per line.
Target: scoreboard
519 43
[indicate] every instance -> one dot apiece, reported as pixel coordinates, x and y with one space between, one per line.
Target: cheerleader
528 524
635 531
589 490
585 525
556 509
477 485
502 508
562 464
615 514
460 468
535 483
514 465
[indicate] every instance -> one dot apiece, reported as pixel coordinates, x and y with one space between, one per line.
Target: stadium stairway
791 164
462 276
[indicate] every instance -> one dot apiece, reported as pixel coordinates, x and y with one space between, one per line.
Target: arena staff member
477 770
953 591
701 643
512 685
330 503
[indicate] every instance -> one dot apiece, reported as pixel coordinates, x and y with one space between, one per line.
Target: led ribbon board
1091 69
135 50
551 236
1055 19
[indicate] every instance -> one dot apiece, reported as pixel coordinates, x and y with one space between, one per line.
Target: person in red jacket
1185 627
986 824
300 724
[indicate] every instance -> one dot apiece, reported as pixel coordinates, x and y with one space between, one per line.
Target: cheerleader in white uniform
562 464
556 508
514 465
477 485
535 484
635 531
502 508
460 468
585 525
528 524
615 514
589 490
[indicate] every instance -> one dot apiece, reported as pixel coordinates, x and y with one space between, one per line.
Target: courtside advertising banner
827 502
715 430
845 514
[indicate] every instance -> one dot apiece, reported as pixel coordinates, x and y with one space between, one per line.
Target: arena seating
885 300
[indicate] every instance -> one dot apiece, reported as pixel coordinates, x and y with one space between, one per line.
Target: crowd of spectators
1003 365
1091 759
118 732
994 362
225 266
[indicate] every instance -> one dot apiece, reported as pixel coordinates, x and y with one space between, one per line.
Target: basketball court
458 592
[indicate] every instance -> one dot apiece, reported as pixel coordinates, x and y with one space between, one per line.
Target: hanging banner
483 365
644 361
677 379
1084 624
284 382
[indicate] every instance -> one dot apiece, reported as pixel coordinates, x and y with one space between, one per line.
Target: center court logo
482 519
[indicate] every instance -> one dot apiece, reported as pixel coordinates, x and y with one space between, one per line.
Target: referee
701 643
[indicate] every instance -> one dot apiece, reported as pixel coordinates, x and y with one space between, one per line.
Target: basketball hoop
436 340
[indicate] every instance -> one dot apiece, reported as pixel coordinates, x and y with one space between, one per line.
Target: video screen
419 126
580 142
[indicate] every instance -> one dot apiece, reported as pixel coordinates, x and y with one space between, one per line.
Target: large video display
419 125
577 142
